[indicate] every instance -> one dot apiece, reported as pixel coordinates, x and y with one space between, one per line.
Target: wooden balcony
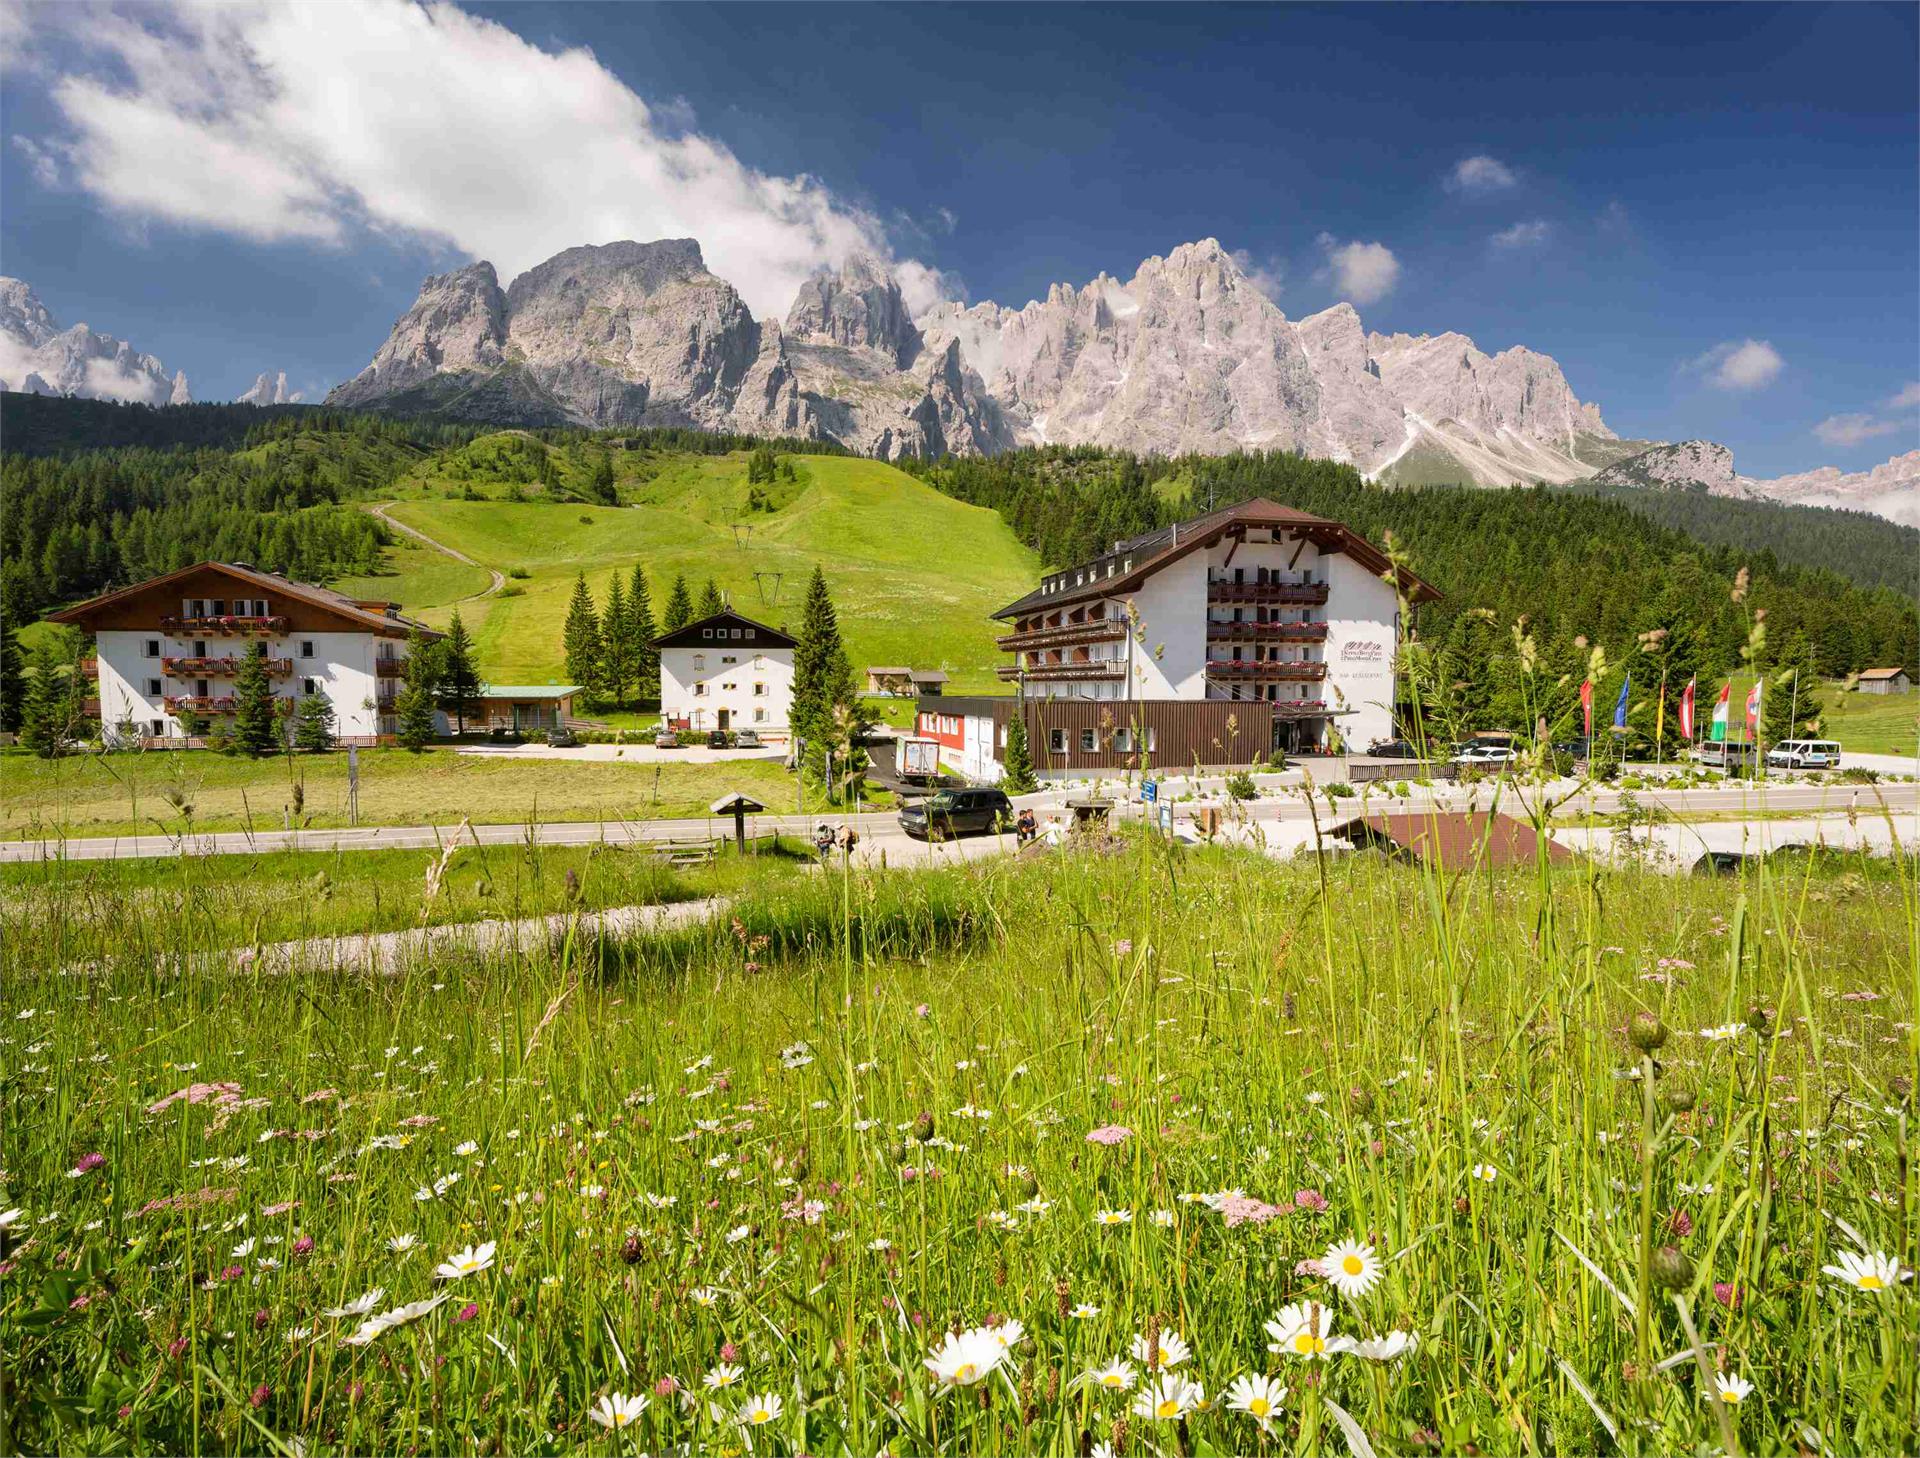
1099 669
219 667
1266 632
1097 630
201 703
89 668
1265 671
390 667
1302 594
225 626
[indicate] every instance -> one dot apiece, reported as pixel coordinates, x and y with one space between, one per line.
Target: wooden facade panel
1184 732
142 608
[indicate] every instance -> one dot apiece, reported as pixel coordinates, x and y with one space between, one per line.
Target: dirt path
390 952
499 577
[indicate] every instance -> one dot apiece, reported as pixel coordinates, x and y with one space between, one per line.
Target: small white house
726 672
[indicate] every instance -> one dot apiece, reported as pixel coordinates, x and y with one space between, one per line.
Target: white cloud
41 162
1739 364
1523 235
1269 276
321 122
921 286
1363 272
1480 174
1850 430
1906 398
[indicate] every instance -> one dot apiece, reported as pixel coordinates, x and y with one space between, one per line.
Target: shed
1883 681
1452 840
524 705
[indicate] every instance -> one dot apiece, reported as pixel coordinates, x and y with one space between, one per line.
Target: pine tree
1019 778
760 466
679 607
645 656
415 708
710 600
616 643
313 723
256 728
822 676
459 680
1789 698
601 483
13 685
44 711
582 638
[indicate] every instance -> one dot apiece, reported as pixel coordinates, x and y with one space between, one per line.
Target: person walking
1025 827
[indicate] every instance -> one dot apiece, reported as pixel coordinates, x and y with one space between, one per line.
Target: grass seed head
1671 1268
1646 1032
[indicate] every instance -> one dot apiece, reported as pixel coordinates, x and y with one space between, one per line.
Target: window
199 647
699 663
751 635
1153 739
699 691
306 647
152 648
157 727
1057 741
759 716
728 687
759 660
153 688
218 607
759 691
309 687
706 632
1123 741
727 658
1089 741
736 632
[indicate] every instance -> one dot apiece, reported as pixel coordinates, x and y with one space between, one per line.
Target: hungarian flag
1586 706
1753 711
1718 732
1686 711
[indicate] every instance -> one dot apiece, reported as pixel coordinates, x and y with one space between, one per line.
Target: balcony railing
1266 670
226 625
201 703
1267 632
219 667
1099 630
1102 668
89 668
1304 594
390 667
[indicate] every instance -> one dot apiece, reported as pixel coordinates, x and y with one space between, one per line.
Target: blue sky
1708 215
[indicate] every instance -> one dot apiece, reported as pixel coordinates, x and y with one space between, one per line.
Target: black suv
958 812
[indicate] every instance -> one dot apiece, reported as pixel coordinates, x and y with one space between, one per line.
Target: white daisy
1113 1217
1352 1267
1388 1348
1116 1376
757 1412
467 1262
616 1409
967 1357
1173 1350
1168 1398
1305 1329
1876 1272
1259 1397
1732 1389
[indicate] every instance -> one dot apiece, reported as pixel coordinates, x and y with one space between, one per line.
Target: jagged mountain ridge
38 357
1891 490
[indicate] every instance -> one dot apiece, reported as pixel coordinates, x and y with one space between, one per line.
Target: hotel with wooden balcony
1287 622
167 650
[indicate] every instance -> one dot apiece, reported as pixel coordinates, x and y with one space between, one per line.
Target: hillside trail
499 577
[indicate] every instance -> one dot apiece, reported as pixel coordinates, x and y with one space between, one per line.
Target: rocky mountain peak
859 306
38 356
270 390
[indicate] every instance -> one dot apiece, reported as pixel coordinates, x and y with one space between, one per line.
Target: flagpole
1660 724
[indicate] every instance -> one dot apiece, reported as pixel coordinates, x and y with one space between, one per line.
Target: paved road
880 833
499 577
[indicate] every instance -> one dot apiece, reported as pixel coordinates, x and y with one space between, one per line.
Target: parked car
747 739
503 734
1392 749
666 739
563 738
1726 754
958 812
719 739
1578 747
1804 754
1485 754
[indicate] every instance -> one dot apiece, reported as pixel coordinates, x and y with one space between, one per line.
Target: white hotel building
167 650
726 672
1219 639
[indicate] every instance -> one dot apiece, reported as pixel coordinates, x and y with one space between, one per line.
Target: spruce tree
582 638
646 657
43 718
601 482
710 600
313 723
415 704
1789 698
822 676
1019 778
679 607
459 679
616 643
13 684
256 727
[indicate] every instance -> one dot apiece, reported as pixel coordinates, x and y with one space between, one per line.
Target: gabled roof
735 628
528 690
321 597
1880 673
1152 551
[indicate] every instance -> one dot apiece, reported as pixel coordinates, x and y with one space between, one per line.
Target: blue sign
1149 791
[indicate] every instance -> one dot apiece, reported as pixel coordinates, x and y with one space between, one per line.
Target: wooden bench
681 853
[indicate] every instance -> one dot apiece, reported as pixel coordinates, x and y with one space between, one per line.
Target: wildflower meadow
1132 1153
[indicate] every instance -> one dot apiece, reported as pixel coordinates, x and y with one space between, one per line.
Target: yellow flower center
761 1415
1729 1396
621 1419
1353 1265
1259 1407
1167 1408
965 1371
1307 1344
1112 1379
1872 1283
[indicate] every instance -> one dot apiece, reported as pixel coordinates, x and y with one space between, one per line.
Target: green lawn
280 896
914 573
124 794
1871 723
418 577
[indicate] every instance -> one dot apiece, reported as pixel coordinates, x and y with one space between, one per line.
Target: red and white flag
1753 710
1686 711
1586 707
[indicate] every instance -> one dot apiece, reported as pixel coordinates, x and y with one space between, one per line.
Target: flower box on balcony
226 625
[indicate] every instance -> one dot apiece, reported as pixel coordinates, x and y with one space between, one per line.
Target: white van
1804 754
1725 754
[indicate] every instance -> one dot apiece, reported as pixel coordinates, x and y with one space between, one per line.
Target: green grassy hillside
913 572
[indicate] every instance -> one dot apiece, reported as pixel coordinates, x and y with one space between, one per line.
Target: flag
1753 711
1719 731
1686 711
1620 705
1586 706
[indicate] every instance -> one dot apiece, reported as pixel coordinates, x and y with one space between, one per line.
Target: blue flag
1620 708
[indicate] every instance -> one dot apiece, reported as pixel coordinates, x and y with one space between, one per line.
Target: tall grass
853 1114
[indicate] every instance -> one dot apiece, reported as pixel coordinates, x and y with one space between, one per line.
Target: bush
518 574
1856 775
511 590
1240 786
1340 790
